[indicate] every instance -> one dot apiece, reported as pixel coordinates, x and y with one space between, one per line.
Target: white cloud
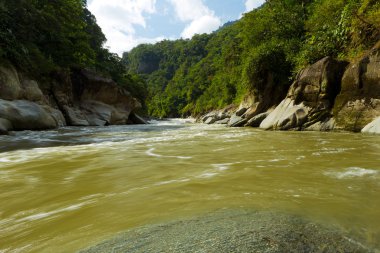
201 25
118 19
253 4
201 18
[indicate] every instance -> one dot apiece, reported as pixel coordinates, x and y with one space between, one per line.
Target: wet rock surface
234 231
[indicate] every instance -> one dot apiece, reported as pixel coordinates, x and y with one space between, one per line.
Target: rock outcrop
23 105
81 99
359 100
327 95
310 98
373 127
257 120
26 115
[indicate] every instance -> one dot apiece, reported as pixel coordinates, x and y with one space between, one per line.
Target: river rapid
68 189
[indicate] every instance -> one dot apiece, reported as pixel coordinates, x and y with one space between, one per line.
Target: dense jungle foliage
43 36
189 77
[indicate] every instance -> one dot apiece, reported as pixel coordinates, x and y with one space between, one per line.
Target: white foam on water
208 175
352 172
276 160
44 215
172 181
223 166
150 152
332 151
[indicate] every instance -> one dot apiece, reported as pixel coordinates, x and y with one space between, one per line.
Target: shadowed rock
359 101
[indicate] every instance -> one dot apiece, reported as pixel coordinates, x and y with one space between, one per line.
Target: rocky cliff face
359 100
310 98
328 95
81 99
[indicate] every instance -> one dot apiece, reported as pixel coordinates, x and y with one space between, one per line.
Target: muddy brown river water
68 189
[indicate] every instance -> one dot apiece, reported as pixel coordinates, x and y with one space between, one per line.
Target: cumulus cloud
201 18
118 19
253 4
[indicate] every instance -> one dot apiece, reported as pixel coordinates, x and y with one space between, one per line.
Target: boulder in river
5 126
241 111
26 115
210 120
257 120
136 119
373 127
223 121
236 121
286 116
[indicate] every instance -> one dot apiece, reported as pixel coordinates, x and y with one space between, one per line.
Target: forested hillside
258 54
41 37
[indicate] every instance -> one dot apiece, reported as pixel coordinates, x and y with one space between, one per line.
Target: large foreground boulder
359 101
26 115
243 231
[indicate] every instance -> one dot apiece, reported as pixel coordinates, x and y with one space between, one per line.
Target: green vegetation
267 47
43 36
257 54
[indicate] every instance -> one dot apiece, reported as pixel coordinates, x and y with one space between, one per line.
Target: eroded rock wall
82 98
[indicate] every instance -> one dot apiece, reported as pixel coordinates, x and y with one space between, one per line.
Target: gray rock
98 113
10 87
136 119
241 111
250 113
5 126
223 121
210 120
26 115
286 116
57 116
256 121
327 125
373 127
75 117
236 121
31 91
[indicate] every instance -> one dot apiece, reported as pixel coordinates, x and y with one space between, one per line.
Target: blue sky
127 23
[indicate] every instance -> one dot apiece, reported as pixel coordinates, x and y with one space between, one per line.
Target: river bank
329 95
326 96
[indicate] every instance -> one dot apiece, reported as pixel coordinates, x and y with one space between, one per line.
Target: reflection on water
64 190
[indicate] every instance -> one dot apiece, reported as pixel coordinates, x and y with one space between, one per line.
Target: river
68 189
